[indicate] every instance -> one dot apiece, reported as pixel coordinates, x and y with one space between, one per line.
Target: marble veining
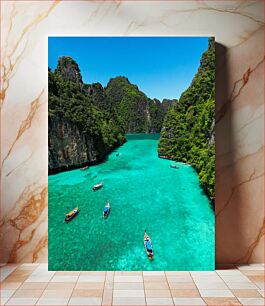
238 27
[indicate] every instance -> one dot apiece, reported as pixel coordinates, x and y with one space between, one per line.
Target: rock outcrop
167 104
81 130
139 113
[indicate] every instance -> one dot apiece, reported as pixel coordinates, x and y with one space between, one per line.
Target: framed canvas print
131 153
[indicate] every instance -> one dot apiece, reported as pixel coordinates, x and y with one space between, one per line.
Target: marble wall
238 27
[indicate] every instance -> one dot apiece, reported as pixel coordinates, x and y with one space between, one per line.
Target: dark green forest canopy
67 100
93 106
188 129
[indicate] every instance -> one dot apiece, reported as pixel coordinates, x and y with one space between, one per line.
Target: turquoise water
144 193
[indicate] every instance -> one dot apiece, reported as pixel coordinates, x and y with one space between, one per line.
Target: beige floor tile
182 286
245 285
250 293
85 301
9 285
61 286
3 300
251 267
39 278
154 278
177 273
260 285
56 294
28 293
128 279
216 293
252 301
53 301
128 301
16 278
28 266
6 293
256 278
91 278
215 301
156 286
23 271
87 293
67 273
189 301
110 274
128 293
22 301
5 271
179 278
129 286
253 272
232 272
261 293
64 279
89 285
182 293
107 298
157 293
235 278
95 273
153 273
211 285
128 273
159 301
208 278
108 285
34 286
203 273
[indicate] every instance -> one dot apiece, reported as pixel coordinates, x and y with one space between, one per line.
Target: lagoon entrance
144 193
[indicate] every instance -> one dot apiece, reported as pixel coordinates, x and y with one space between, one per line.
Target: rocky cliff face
96 92
138 113
70 147
81 131
68 70
167 104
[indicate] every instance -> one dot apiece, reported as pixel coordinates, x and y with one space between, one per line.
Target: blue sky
162 67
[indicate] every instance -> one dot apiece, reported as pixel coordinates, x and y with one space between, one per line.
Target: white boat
97 186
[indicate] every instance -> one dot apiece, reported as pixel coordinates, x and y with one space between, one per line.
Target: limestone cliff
81 131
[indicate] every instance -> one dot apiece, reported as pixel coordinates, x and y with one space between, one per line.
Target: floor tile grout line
112 288
104 288
199 289
142 272
74 287
145 298
169 289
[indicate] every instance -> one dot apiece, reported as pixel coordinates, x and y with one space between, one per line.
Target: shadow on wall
228 230
224 152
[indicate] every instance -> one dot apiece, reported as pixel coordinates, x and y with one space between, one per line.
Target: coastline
87 163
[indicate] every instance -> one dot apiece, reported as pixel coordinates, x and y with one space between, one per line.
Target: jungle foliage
188 129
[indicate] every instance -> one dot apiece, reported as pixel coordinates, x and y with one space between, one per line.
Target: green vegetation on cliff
93 120
188 129
139 113
68 102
